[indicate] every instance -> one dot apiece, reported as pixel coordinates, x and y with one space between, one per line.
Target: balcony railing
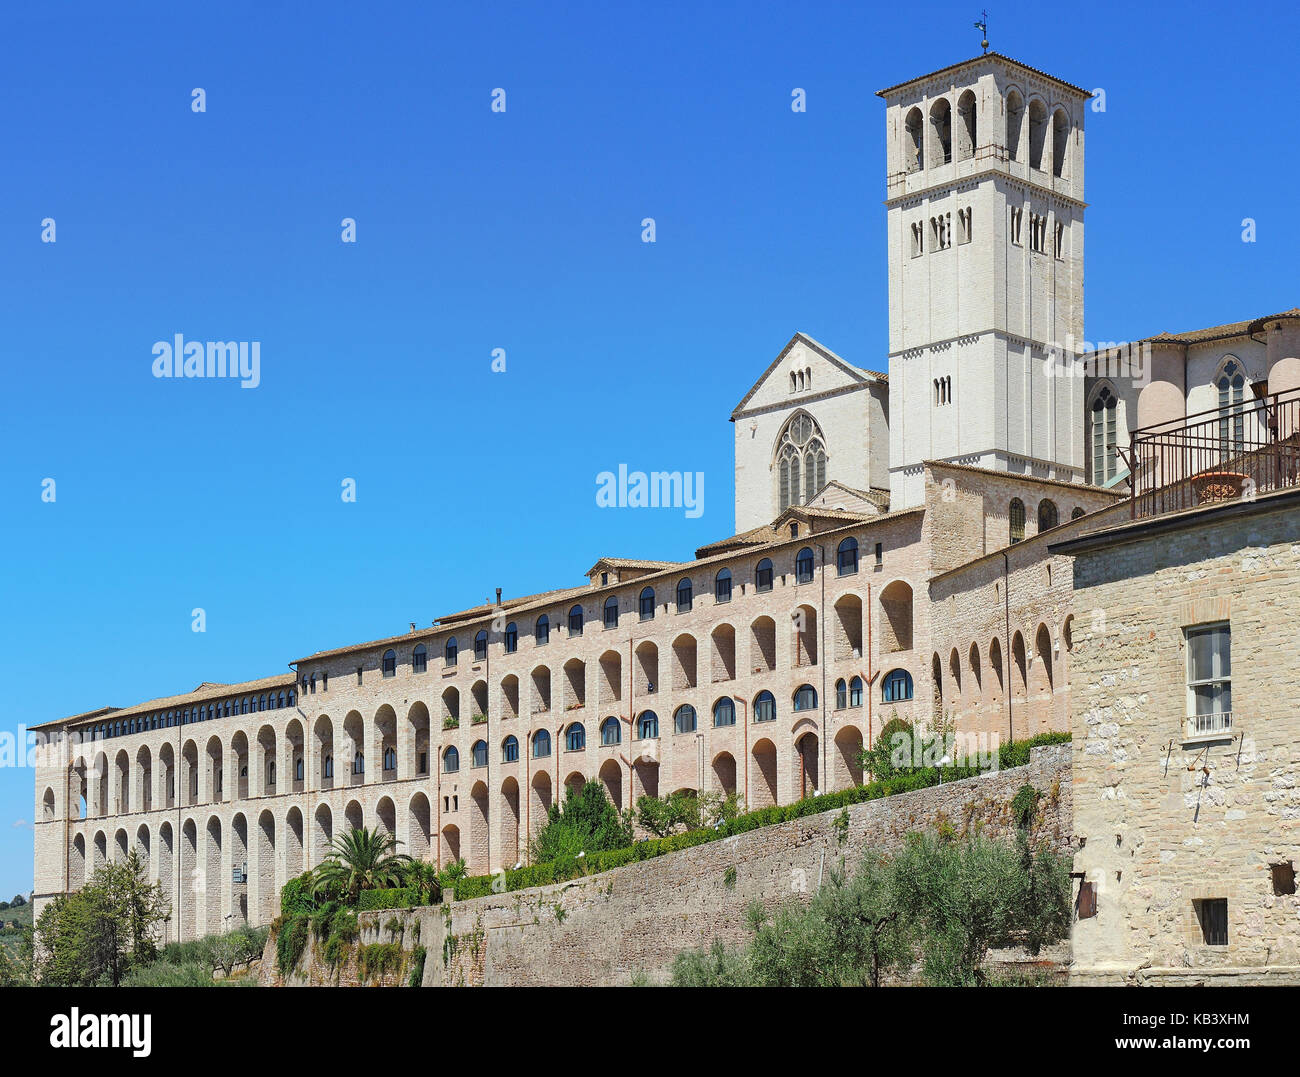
1224 454
1208 726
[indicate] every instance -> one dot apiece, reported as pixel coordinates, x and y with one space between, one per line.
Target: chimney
498 596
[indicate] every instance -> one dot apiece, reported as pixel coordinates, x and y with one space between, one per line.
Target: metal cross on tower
983 27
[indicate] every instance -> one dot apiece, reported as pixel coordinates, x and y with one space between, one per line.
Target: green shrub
417 966
404 897
291 942
379 959
568 865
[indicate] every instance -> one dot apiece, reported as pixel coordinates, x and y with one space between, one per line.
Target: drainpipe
871 677
821 616
1006 643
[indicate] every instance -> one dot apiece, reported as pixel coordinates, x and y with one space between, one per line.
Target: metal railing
1207 726
1223 454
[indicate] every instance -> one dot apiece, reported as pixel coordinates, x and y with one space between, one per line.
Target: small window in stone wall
1086 904
1212 915
1283 878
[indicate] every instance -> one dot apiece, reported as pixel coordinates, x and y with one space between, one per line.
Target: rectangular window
1209 678
1283 878
880 554
1085 906
1212 914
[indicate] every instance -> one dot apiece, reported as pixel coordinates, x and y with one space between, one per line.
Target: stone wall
605 929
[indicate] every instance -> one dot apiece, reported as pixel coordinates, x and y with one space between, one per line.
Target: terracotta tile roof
630 562
208 690
976 59
1221 332
993 473
776 532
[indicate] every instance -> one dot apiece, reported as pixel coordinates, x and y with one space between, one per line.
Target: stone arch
1044 682
323 760
77 863
967 126
763 790
610 684
941 131
847 758
575 684
1015 123
807 764
295 757
121 845
848 628
510 696
47 804
419 832
913 141
167 773
611 777
509 822
239 760
166 877
351 768
478 830
354 817
264 870
240 903
214 771
722 652
804 629
685 662
896 617
646 667
382 755
1037 131
191 911
386 817
645 778
762 639
322 834
142 793
100 855
264 773
724 773
293 843
540 684
1060 140
122 783
450 844
541 801
1019 686
478 700
413 742
212 877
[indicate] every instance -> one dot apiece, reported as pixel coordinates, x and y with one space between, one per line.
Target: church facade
895 555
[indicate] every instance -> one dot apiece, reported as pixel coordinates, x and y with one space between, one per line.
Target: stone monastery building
891 560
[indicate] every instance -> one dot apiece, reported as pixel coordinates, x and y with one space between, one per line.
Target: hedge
404 897
1012 754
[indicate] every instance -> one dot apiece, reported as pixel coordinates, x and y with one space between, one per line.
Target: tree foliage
96 934
361 859
685 810
587 822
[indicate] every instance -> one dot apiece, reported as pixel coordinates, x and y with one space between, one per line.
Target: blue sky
479 230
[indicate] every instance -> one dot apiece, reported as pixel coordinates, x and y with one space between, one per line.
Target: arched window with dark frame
1102 422
722 586
896 687
724 712
611 612
685 596
510 750
646 604
390 758
420 658
542 631
763 575
479 754
449 652
803 566
575 621
684 720
541 744
1016 520
480 645
611 732
805 698
855 692
511 638
451 760
575 737
1048 517
647 726
390 663
846 557
841 694
765 707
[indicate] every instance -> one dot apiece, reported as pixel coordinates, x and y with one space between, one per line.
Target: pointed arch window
1102 423
800 462
1231 384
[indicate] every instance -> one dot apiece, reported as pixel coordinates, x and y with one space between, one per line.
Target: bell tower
984 198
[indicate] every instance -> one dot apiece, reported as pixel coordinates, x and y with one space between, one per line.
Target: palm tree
361 860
